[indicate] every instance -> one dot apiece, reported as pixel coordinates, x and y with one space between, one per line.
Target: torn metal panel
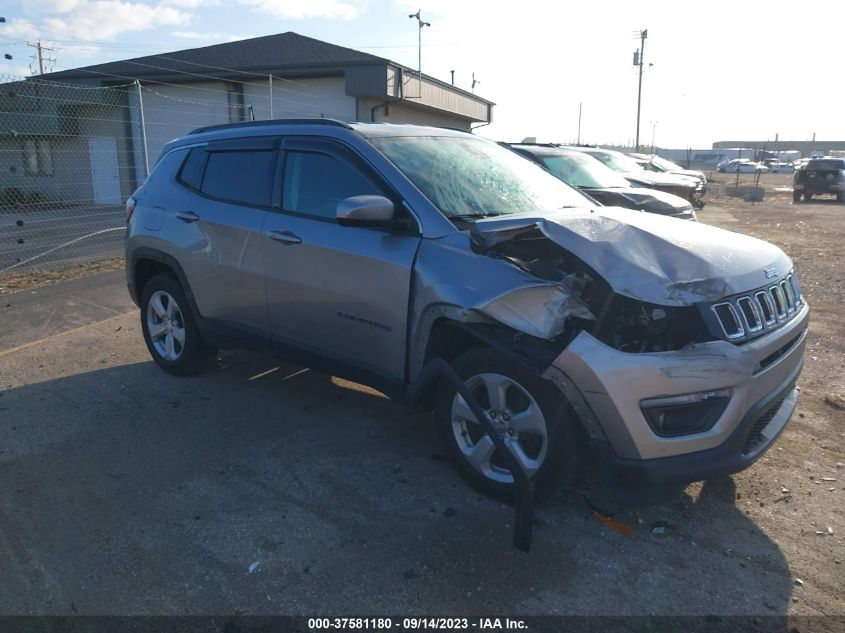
648 257
540 310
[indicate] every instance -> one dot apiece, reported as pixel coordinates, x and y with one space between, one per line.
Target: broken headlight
686 414
636 326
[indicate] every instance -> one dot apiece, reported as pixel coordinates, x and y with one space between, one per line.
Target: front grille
755 434
752 314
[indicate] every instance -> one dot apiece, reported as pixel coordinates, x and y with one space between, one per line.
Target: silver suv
669 348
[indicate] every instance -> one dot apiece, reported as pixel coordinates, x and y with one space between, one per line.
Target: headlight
686 414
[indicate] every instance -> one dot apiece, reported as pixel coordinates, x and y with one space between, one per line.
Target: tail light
130 207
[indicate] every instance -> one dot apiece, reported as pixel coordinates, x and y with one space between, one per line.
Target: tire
840 196
170 329
550 450
796 196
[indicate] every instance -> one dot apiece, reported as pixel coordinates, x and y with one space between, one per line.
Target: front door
341 292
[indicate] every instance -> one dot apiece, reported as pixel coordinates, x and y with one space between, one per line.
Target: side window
314 183
241 176
191 171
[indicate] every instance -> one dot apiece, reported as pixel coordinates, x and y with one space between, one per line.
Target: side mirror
365 211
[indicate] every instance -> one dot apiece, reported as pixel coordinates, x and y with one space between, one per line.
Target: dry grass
26 279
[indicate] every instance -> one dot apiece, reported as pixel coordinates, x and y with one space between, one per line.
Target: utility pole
653 129
578 142
41 59
639 56
420 25
474 82
453 76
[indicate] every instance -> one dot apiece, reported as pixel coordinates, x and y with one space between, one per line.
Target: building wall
61 118
173 111
110 122
70 179
408 112
306 97
434 94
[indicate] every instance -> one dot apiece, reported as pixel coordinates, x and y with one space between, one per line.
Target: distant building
807 148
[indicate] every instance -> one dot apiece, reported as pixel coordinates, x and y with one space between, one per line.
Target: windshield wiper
472 216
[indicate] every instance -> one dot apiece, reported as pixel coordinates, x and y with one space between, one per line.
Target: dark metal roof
284 50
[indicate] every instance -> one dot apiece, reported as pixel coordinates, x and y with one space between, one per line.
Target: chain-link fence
71 154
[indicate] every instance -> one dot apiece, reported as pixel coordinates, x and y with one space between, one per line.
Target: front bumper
612 385
753 436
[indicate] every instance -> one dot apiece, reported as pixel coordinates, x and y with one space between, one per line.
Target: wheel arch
145 263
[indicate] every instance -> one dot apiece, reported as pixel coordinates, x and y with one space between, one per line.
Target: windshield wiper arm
472 216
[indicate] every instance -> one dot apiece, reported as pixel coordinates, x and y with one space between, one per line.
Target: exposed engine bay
581 300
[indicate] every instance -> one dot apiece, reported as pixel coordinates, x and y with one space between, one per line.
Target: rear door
338 291
218 229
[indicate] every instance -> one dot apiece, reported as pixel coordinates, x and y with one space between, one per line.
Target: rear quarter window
191 172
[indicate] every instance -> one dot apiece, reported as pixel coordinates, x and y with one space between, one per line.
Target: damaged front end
574 298
666 346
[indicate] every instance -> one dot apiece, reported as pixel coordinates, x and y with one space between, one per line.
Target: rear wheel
170 329
527 412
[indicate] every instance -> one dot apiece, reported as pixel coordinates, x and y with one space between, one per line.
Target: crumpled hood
649 257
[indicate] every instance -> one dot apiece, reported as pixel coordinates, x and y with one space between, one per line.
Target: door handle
187 216
285 237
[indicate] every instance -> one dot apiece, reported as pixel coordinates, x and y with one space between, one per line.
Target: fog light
687 414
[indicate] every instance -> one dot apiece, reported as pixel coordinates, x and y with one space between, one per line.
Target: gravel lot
127 491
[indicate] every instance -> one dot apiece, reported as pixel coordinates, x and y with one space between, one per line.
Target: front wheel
170 329
527 412
840 196
796 196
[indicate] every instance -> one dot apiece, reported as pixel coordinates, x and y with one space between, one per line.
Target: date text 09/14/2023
415 624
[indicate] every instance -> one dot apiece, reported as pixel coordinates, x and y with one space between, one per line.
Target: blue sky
722 70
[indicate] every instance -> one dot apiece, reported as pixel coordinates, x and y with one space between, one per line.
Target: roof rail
230 126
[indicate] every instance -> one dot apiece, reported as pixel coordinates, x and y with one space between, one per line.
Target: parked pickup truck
820 176
378 252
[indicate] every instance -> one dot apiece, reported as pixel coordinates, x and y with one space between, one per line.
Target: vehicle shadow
262 488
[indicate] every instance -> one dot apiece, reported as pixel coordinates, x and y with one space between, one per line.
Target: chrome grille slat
786 288
777 298
751 314
796 291
767 309
761 310
729 319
